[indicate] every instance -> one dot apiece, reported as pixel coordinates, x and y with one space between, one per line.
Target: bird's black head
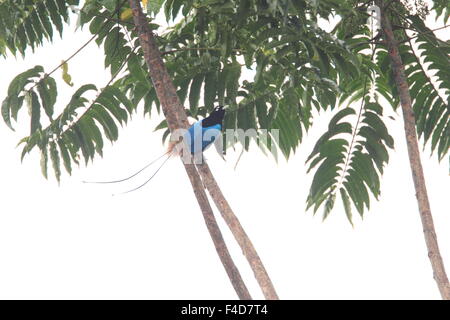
215 117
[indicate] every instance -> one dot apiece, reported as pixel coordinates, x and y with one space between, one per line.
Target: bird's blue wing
199 138
194 137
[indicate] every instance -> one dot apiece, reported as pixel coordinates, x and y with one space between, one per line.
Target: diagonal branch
70 126
239 233
176 118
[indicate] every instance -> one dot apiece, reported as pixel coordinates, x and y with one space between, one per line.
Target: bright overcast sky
77 241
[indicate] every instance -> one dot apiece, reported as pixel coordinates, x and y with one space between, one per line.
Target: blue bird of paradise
199 136
204 132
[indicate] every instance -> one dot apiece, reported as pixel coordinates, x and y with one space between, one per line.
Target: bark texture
414 158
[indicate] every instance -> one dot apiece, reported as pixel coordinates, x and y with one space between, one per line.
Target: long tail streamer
132 176
148 180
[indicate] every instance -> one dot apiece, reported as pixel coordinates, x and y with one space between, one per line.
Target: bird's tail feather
136 173
148 180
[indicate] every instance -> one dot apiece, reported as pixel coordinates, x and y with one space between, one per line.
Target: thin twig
63 62
78 51
239 158
98 96
418 34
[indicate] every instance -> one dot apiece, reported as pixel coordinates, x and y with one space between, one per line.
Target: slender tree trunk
414 158
171 105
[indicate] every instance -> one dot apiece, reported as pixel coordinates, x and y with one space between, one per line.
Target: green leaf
182 91
62 9
6 113
96 24
161 125
261 111
18 84
122 98
339 116
134 65
167 7
82 90
378 125
110 5
47 101
54 15
108 100
210 89
153 6
102 116
54 156
221 84
16 104
325 175
329 204
347 205
84 140
65 156
30 33
138 92
44 17
194 92
232 84
44 162
35 108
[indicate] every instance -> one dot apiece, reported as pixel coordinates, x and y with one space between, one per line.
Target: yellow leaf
65 74
144 3
126 14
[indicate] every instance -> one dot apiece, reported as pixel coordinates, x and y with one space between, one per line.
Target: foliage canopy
297 70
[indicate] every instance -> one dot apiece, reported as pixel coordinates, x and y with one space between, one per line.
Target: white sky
76 241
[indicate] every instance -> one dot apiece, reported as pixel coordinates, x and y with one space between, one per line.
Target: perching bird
197 139
203 133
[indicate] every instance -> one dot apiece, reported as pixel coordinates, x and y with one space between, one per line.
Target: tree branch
239 233
176 118
414 158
